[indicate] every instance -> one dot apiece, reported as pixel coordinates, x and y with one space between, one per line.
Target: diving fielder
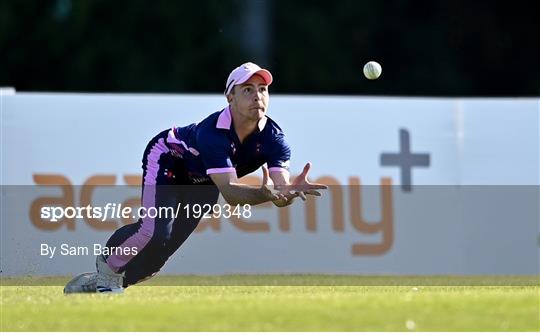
192 165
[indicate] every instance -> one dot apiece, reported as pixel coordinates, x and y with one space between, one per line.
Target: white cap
242 74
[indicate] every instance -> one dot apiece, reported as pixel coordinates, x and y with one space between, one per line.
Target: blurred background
426 48
466 171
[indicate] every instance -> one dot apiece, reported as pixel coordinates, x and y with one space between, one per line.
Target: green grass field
278 303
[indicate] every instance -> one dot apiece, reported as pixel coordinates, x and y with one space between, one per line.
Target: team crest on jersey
169 174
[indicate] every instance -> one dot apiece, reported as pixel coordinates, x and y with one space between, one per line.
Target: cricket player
192 165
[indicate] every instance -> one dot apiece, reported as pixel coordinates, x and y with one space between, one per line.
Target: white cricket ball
372 70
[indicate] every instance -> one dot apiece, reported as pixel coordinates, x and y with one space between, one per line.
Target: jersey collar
225 120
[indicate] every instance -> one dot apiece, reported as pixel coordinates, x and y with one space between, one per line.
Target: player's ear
229 97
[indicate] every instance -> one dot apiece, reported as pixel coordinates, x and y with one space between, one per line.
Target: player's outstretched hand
301 185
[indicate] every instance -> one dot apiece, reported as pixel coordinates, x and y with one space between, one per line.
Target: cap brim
265 75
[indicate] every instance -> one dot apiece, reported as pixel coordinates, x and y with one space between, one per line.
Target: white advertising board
464 175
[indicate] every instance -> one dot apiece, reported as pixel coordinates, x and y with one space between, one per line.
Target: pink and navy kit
174 163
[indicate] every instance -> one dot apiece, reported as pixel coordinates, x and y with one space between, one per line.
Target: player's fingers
302 195
317 186
274 196
312 192
268 193
308 187
282 196
305 170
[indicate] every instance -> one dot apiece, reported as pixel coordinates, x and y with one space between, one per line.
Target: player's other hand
301 185
267 192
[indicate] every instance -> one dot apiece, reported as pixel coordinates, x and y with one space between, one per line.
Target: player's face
250 99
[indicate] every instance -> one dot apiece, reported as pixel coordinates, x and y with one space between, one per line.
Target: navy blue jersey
212 146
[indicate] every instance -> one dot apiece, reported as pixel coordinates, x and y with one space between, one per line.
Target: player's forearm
241 194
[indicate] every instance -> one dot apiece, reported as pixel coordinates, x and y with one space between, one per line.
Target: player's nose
258 96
